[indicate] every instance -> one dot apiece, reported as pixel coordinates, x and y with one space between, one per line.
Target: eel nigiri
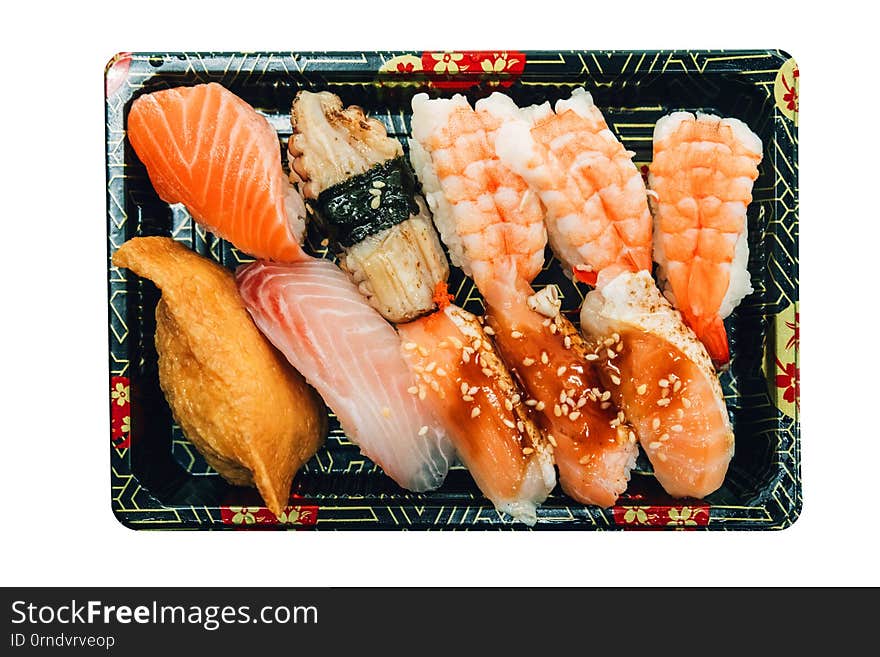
364 195
205 147
493 226
702 176
600 227
237 400
316 317
482 408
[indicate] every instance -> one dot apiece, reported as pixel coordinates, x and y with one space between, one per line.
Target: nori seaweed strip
349 211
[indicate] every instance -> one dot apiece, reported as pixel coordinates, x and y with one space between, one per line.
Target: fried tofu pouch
251 415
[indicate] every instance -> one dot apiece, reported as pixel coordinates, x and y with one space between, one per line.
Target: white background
57 527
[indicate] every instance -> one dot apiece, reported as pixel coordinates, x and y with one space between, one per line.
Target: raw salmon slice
206 148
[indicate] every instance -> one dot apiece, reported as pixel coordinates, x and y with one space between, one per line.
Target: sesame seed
664 437
556 410
642 389
475 411
466 356
679 413
677 428
540 406
546 322
611 354
516 335
551 439
615 379
574 415
531 402
477 344
661 456
423 430
608 342
409 346
591 357
553 328
516 398
615 337
386 411
423 351
487 371
562 396
655 423
663 383
430 366
676 386
605 405
614 423
509 423
473 390
561 370
488 330
664 402
413 390
655 445
441 371
422 392
544 358
685 402
567 342
508 404
527 450
605 396
435 386
632 437
458 344
463 388
582 402
520 426
467 398
564 409
584 459
528 361
378 183
621 417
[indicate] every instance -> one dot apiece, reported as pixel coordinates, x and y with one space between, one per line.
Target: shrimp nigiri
493 227
702 175
600 227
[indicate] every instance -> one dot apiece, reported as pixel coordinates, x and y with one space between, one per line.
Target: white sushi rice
427 115
632 301
740 285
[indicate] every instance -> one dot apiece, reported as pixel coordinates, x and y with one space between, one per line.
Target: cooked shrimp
703 171
655 368
486 214
493 227
597 209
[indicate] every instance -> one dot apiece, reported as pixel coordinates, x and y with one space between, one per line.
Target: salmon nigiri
493 225
206 148
601 228
459 371
702 175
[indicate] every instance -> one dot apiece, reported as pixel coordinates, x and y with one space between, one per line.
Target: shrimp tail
714 337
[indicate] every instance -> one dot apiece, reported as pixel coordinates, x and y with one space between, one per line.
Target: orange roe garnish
441 295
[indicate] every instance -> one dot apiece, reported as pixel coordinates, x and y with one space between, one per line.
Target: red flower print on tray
120 412
463 70
245 516
655 517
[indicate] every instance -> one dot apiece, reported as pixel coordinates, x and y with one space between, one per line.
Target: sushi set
453 290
